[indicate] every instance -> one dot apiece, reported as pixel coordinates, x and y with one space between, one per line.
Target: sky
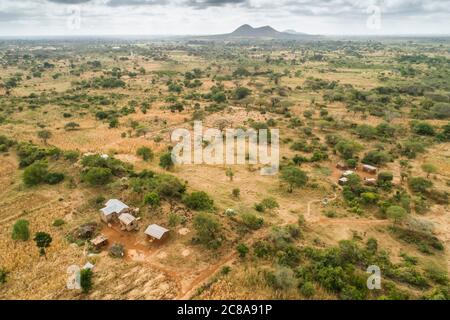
199 17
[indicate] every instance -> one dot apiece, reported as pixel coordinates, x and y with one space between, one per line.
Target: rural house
369 169
113 208
155 232
128 222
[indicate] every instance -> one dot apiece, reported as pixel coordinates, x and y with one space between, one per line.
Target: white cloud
41 17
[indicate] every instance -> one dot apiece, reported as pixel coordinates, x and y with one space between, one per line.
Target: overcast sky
179 17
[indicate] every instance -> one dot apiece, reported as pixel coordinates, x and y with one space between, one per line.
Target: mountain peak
247 30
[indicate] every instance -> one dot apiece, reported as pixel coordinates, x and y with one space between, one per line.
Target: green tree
208 230
43 241
146 153
44 135
21 230
86 280
294 177
396 213
165 161
242 93
348 149
419 184
198 201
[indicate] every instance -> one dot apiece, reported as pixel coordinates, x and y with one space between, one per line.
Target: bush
96 176
86 280
21 230
58 222
3 275
423 129
145 153
35 174
281 279
208 230
242 249
152 199
198 201
307 289
165 161
54 177
419 184
117 251
252 221
241 93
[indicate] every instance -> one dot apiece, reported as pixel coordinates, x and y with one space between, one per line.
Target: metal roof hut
369 169
343 181
128 222
112 210
155 232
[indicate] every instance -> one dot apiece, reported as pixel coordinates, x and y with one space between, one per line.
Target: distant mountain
263 32
247 32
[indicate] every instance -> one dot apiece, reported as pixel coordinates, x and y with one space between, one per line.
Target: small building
343 181
128 222
348 173
155 232
342 166
99 241
370 181
369 169
113 208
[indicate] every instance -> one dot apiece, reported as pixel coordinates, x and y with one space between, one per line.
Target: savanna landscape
364 168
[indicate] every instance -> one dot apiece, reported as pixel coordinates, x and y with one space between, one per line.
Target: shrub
241 93
21 230
307 289
86 280
423 129
35 174
242 249
419 184
198 201
54 177
208 230
117 250
58 222
96 176
145 153
396 213
3 275
165 161
281 279
236 192
252 221
152 199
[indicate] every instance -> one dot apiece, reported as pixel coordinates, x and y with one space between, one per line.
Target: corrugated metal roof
156 231
113 206
127 218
